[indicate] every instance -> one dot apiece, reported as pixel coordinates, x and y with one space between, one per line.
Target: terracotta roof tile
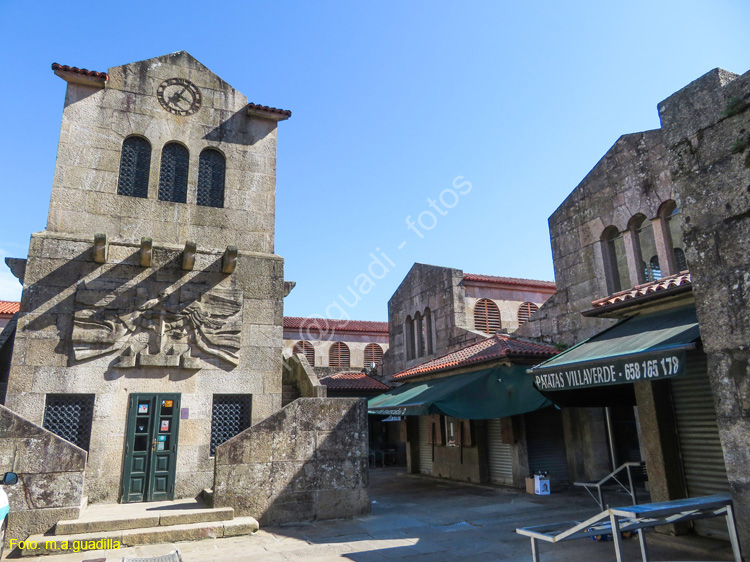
678 280
9 307
267 109
327 326
494 347
352 381
509 280
83 71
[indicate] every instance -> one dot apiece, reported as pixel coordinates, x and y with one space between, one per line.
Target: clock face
179 96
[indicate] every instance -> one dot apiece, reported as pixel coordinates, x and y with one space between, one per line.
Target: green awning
490 393
644 347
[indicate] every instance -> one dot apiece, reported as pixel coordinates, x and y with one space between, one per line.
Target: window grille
173 176
525 311
230 415
69 416
338 356
373 354
211 169
307 349
487 316
135 163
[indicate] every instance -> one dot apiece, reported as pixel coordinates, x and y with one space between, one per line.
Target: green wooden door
151 447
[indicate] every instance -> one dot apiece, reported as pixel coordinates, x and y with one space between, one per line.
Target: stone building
150 328
436 310
336 346
651 265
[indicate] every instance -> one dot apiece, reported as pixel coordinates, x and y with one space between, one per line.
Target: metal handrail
613 476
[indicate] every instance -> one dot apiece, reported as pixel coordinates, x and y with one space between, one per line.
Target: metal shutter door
425 448
700 447
546 443
499 453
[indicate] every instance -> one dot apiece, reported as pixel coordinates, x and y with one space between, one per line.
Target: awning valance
486 394
644 347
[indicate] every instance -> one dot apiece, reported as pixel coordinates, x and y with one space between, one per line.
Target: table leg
615 523
733 538
534 550
642 539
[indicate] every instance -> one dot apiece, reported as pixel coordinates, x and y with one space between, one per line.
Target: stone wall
631 178
50 476
707 130
298 373
305 462
355 343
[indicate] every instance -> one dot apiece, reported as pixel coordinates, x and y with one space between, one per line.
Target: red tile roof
352 381
328 326
9 307
509 280
267 109
83 71
494 347
682 279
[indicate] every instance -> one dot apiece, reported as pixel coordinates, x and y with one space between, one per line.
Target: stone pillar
660 445
633 255
663 246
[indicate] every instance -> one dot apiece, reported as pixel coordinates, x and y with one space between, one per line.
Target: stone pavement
418 519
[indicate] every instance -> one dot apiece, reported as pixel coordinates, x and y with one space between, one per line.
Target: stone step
119 517
40 545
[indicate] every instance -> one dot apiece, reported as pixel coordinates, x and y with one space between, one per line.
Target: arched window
615 260
428 330
338 356
525 310
419 332
409 336
211 167
650 268
486 316
373 354
671 214
173 176
306 348
135 163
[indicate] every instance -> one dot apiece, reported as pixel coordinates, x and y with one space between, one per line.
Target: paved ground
417 519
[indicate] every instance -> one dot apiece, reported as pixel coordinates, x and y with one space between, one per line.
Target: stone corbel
229 260
146 251
188 256
101 248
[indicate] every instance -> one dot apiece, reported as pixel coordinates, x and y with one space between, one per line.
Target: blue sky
393 104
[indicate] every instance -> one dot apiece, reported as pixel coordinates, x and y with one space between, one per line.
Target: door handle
153 446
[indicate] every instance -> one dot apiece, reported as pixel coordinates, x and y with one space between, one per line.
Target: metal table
636 518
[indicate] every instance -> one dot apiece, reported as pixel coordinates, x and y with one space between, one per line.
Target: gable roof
490 349
352 381
509 281
9 307
326 325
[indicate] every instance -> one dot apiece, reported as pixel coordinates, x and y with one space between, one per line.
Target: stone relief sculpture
158 331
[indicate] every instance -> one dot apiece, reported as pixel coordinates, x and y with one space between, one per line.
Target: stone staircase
289 393
103 526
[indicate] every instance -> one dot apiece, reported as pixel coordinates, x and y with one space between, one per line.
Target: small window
211 168
230 415
650 269
409 335
672 217
615 260
69 416
307 349
486 316
428 330
525 311
419 331
373 354
135 164
338 356
173 176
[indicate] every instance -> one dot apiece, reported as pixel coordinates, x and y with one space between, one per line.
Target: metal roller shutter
499 453
425 448
700 447
546 443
